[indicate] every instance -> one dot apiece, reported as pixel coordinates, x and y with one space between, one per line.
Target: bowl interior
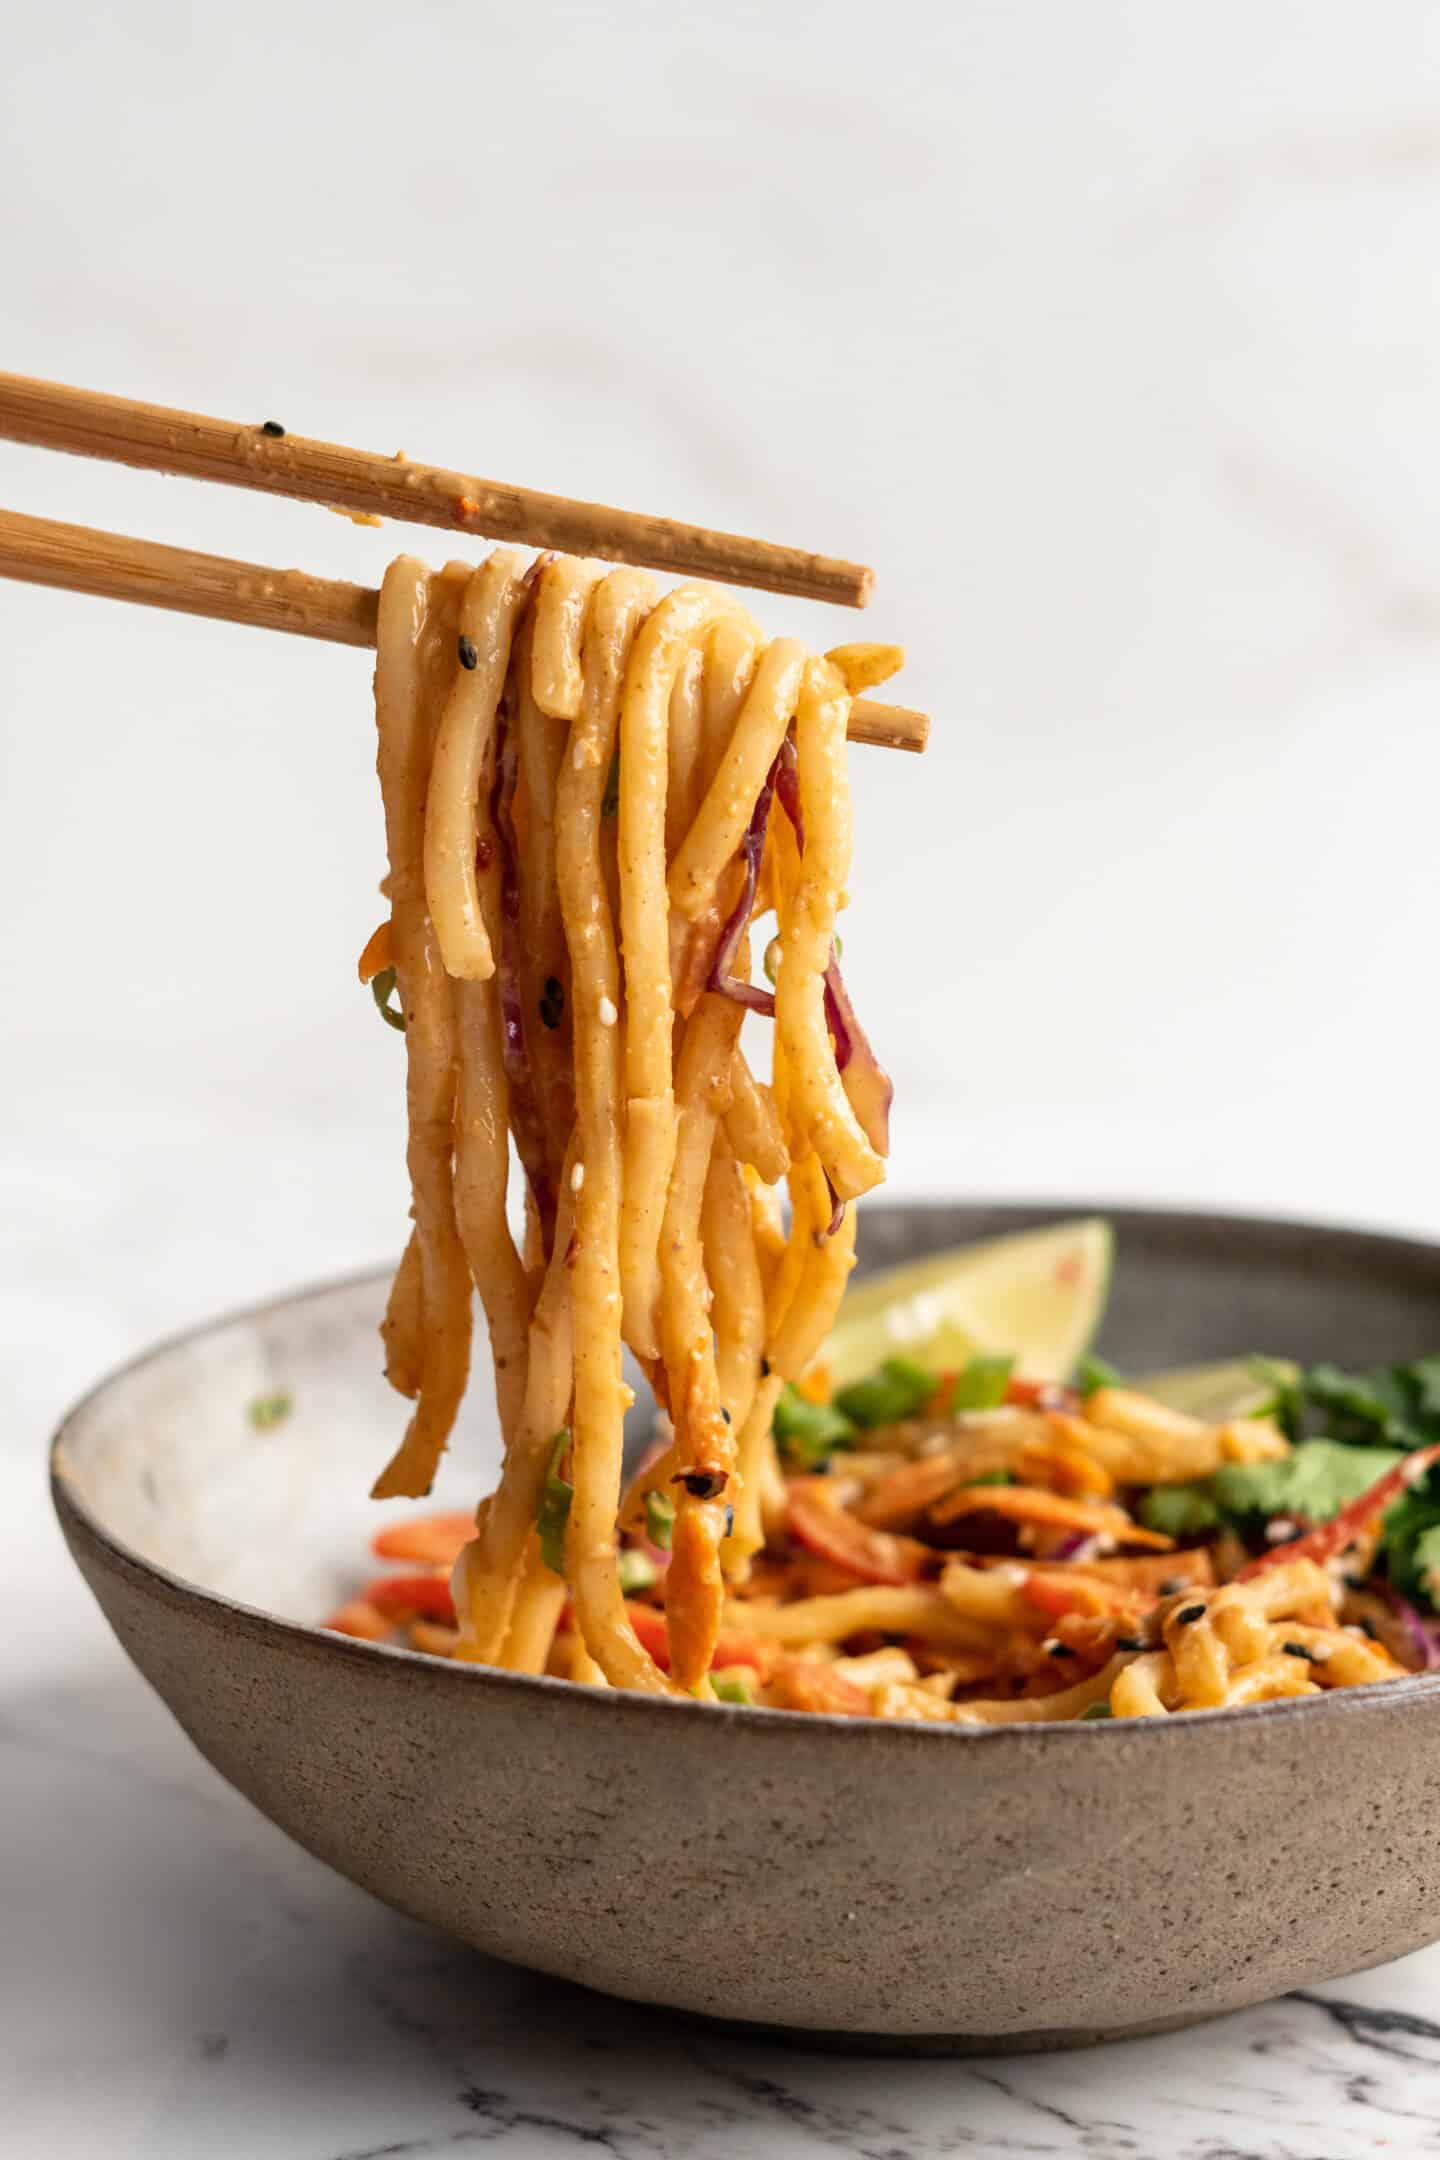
171 1460
928 1888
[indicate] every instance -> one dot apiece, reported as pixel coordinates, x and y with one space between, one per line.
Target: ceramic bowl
921 1886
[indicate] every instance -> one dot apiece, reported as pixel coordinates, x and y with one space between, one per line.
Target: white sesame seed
608 1013
577 1177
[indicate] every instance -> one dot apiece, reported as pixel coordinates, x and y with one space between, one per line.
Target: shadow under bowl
903 1886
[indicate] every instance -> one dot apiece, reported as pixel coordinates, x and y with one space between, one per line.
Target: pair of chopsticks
39 551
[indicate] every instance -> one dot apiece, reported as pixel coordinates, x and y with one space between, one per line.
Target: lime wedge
1215 1393
1036 1296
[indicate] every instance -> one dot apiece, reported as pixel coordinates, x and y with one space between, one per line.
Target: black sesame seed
1188 1613
725 1413
1171 1584
764 1368
271 427
1057 1649
1130 1642
1302 1650
703 1484
729 1520
469 658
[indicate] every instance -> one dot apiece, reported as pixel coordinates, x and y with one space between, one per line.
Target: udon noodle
592 793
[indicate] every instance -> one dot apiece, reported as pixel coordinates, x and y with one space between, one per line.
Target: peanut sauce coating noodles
579 779
618 826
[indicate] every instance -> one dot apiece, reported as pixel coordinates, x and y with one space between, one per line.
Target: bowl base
1050 2041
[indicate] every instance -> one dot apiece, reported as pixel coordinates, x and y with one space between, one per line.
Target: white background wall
1108 333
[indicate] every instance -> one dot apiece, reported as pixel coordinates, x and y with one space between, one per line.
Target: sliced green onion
268 1410
982 1383
898 1390
731 1687
637 1570
1096 1710
992 1477
554 1510
659 1519
808 1433
1097 1372
382 989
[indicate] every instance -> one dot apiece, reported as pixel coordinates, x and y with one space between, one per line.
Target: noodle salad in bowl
980 1546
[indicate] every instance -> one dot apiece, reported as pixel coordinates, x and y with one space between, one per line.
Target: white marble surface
1109 334
176 1979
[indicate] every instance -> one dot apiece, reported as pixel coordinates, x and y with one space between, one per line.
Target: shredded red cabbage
1422 1635
786 774
1076 1545
525 1110
752 850
868 1085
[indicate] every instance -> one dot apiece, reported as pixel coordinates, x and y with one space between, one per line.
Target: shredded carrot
1056 1461
1053 1511
377 955
799 1683
1072 1590
361 1619
436 1540
1157 1572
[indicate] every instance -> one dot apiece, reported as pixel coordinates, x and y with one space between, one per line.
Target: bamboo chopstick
38 551
262 455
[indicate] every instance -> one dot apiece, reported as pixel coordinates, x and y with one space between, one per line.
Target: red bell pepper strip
1328 1538
418 1597
821 1525
1041 1395
648 1622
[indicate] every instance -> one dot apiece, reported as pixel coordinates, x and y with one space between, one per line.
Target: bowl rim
1383 1697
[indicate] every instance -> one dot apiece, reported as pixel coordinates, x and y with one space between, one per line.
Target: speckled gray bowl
923 1887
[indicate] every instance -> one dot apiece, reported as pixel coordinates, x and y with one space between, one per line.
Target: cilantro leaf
1181 1511
1410 1541
1309 1485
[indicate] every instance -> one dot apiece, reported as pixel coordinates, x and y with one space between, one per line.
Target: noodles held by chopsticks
584 814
